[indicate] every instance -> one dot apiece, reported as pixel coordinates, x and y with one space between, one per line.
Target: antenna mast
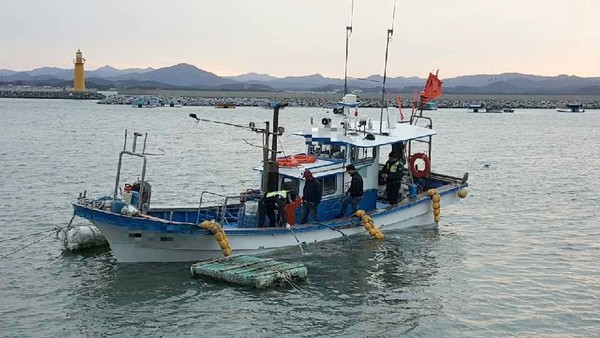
390 32
348 33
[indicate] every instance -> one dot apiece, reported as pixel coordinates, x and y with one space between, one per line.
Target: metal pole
145 138
275 133
118 173
125 142
265 178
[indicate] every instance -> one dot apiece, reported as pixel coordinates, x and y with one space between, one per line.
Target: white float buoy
83 237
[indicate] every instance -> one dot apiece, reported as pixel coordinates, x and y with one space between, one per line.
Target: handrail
222 208
118 177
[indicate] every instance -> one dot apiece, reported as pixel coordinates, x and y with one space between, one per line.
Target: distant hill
186 76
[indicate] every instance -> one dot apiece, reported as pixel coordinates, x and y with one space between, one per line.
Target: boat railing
223 211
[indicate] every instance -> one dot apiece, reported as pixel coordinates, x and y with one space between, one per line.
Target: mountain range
186 76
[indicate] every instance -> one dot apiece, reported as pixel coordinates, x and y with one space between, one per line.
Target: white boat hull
138 245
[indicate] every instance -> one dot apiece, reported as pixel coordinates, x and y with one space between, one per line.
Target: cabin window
327 151
288 183
359 154
329 185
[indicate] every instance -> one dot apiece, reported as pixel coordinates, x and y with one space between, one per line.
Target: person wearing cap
355 192
311 196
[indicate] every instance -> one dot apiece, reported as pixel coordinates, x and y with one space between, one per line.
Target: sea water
518 257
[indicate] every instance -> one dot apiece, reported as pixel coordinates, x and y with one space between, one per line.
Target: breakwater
50 94
330 102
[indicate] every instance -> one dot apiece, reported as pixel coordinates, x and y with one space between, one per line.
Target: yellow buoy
436 219
435 198
379 236
436 205
360 213
462 193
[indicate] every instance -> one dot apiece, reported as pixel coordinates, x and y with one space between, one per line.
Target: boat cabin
333 148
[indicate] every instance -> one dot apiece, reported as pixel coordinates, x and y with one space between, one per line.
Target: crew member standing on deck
311 196
355 193
394 179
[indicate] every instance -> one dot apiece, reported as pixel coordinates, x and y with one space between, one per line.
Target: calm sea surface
519 257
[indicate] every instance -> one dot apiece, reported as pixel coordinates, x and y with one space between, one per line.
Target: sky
303 37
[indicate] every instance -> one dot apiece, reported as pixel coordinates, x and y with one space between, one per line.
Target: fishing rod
348 33
390 33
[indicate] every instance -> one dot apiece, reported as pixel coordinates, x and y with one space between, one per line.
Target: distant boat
175 104
477 107
271 105
145 102
572 108
431 105
493 110
224 105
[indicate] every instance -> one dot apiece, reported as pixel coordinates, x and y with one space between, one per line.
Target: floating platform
249 270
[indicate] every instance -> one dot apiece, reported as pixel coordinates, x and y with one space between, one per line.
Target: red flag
399 100
433 88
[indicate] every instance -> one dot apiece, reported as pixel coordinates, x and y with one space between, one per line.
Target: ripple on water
518 257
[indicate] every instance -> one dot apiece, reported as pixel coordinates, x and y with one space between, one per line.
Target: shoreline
307 99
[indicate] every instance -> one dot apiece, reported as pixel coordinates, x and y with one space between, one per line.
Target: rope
297 241
32 243
19 237
334 229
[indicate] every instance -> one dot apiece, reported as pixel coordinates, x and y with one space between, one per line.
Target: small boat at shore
146 102
431 105
571 108
476 107
224 105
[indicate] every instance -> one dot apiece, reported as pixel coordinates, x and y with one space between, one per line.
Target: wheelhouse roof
402 132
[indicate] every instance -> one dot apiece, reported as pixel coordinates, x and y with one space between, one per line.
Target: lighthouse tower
79 79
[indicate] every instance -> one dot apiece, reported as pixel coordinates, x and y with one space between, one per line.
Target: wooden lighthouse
79 78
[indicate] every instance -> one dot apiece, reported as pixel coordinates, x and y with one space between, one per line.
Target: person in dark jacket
385 170
394 179
355 193
311 196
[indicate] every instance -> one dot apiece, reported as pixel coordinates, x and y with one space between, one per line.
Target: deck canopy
402 132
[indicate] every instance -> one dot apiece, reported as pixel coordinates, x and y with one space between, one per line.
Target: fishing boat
571 108
137 231
508 110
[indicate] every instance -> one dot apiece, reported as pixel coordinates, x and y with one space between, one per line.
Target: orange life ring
413 168
284 162
296 160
